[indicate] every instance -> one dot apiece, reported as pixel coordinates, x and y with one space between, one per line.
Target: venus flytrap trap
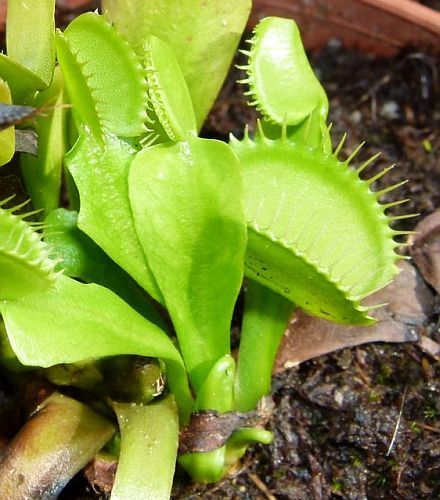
183 219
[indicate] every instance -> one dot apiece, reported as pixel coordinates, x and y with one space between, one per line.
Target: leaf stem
265 317
149 441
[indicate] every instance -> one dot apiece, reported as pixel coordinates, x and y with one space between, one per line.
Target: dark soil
336 416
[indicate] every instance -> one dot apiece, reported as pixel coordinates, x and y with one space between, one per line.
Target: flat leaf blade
74 322
187 206
100 174
22 81
81 258
30 36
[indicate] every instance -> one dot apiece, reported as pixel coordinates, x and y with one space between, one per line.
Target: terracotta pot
380 27
2 15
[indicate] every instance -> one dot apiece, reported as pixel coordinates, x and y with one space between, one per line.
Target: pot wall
379 27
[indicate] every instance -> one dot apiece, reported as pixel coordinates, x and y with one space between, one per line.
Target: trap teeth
366 163
390 188
340 145
354 153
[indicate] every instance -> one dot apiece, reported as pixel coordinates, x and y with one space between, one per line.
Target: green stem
149 441
55 444
265 318
216 394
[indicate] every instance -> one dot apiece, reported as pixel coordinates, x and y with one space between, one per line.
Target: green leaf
316 233
7 136
100 174
187 206
168 93
30 36
75 322
149 441
203 33
281 82
81 258
104 78
264 322
42 174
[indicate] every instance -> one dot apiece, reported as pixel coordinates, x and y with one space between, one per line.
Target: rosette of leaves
161 211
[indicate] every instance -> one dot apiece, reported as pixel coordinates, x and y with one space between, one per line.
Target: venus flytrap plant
307 211
184 219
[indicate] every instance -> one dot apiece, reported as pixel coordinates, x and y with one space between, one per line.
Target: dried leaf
209 430
100 473
425 249
26 141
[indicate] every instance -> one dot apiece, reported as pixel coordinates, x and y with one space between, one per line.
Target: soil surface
363 422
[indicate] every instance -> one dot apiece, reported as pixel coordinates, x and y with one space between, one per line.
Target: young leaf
30 36
187 206
217 391
149 441
7 136
90 322
104 78
203 33
240 441
167 90
42 174
316 233
81 258
281 82
100 174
